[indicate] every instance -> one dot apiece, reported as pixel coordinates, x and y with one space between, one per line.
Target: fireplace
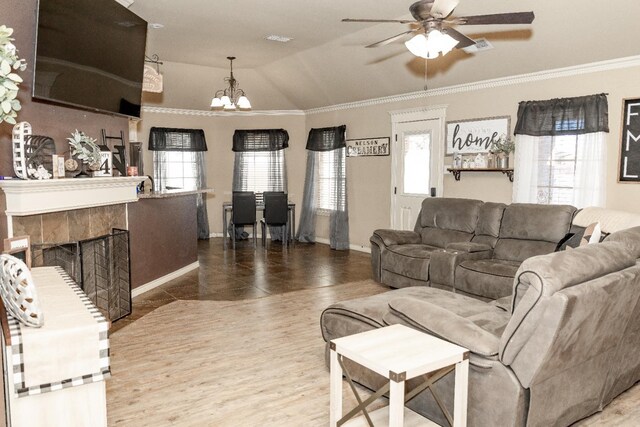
101 266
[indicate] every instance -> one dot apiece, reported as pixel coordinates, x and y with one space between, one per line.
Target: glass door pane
416 163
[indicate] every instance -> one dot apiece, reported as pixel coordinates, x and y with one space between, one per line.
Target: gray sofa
559 349
468 245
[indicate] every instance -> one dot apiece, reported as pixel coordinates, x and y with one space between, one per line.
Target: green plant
503 145
85 148
9 80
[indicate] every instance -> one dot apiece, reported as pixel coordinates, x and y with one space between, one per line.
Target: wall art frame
629 149
474 136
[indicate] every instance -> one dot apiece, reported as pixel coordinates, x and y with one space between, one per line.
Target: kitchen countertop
172 193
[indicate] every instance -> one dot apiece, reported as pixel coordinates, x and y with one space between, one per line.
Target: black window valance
260 140
563 116
327 139
171 139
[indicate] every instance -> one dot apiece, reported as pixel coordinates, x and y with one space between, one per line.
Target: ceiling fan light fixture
430 46
417 45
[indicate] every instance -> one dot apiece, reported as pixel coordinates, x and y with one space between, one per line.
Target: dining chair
276 214
244 213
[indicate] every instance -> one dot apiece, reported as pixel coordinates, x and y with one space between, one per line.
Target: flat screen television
90 54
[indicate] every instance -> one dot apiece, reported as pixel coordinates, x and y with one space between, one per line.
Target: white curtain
591 169
533 158
525 180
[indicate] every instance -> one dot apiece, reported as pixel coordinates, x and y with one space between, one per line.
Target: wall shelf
456 171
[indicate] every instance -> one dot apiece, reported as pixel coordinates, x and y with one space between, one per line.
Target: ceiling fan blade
463 41
390 39
443 8
393 21
499 18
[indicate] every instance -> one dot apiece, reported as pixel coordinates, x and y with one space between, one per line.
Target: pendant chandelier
232 97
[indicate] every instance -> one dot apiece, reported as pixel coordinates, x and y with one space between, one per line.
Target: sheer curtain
560 155
334 189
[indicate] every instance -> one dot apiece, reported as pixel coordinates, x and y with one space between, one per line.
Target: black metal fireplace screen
101 266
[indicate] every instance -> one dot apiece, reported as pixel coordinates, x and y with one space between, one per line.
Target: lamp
232 97
431 44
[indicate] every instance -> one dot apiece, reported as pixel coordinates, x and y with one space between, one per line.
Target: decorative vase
503 162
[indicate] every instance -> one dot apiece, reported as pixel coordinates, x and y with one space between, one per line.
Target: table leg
335 390
396 403
293 224
224 226
460 394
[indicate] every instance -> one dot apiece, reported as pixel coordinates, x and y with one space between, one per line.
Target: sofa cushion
408 260
527 221
630 238
487 278
450 214
490 218
518 250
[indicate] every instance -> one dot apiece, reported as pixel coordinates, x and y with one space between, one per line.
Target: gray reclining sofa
564 345
468 245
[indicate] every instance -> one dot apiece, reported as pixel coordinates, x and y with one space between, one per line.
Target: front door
416 155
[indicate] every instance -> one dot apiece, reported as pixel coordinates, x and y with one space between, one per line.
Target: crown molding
594 67
206 113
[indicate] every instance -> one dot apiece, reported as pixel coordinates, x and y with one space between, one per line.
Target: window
331 180
561 152
176 170
260 171
556 169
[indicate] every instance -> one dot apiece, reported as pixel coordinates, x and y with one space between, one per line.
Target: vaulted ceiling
326 62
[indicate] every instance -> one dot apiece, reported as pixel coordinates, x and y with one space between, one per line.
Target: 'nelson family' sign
630 144
477 135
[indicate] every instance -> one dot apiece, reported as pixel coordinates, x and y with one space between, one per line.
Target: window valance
563 116
172 139
327 139
260 140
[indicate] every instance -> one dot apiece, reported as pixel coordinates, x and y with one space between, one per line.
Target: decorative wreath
9 80
18 291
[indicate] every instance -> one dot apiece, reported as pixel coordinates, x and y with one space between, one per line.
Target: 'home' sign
630 144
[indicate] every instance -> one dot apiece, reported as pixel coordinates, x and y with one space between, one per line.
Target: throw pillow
18 292
591 234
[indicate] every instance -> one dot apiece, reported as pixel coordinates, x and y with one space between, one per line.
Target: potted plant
9 80
502 148
85 149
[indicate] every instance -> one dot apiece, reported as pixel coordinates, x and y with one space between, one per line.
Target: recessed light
281 39
155 25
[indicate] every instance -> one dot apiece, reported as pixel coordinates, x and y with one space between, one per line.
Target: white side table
398 353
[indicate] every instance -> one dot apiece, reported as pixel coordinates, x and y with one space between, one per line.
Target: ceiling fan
434 27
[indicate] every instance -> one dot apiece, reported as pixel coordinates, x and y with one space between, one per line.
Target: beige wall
219 133
369 178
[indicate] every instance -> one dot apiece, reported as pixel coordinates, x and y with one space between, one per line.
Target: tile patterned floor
227 275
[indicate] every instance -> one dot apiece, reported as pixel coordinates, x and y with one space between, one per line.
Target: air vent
481 44
281 39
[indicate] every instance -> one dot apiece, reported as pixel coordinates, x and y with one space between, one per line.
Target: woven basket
18 292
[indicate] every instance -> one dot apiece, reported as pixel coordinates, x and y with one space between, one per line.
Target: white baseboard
164 279
351 247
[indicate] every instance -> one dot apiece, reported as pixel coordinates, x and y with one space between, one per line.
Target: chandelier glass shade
231 97
430 45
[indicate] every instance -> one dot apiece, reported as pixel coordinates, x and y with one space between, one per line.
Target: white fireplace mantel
32 197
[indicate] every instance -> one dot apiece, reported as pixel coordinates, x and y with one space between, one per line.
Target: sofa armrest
444 324
444 263
469 247
397 237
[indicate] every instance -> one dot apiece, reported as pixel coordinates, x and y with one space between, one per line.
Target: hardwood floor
248 273
140 362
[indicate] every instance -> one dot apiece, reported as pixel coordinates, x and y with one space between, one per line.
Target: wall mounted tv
90 54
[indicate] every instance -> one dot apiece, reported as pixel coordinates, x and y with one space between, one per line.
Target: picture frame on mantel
475 135
629 158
